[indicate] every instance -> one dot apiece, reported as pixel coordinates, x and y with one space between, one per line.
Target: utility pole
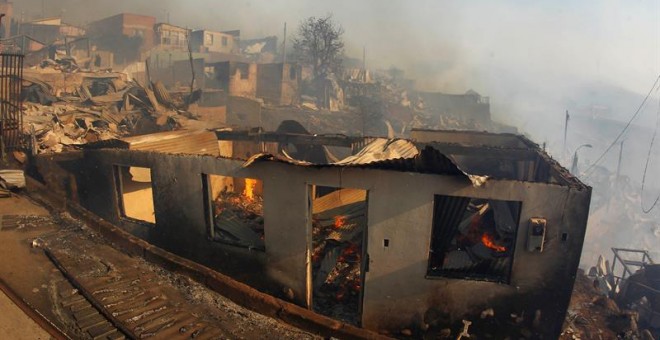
2 15
618 166
284 46
563 151
43 9
364 57
20 24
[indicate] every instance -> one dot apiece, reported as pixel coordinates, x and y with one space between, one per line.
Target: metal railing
11 116
631 261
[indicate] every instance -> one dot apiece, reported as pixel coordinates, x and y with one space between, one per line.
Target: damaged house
470 106
279 83
263 50
428 234
235 78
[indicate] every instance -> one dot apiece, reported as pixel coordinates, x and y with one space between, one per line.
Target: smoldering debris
99 106
239 218
618 299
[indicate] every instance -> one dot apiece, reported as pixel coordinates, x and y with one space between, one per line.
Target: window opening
135 192
234 210
473 238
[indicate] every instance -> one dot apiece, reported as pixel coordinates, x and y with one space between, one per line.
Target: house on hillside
219 42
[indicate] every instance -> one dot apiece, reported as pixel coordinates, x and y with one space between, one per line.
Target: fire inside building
160 181
398 233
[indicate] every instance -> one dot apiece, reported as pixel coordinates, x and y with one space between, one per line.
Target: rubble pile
594 315
62 64
60 126
104 106
616 300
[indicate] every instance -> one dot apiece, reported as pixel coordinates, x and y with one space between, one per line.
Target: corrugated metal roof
381 150
199 142
381 153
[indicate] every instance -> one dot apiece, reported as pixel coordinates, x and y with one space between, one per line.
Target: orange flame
340 221
487 240
250 184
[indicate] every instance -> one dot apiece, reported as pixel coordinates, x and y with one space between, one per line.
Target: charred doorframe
207 191
364 256
119 191
287 138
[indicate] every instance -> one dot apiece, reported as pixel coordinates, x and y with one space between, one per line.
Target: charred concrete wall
243 80
397 291
278 84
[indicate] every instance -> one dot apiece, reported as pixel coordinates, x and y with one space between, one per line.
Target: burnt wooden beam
514 154
274 137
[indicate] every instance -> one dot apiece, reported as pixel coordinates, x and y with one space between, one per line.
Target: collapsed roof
475 155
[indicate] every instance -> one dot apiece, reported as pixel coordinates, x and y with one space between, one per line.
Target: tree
319 44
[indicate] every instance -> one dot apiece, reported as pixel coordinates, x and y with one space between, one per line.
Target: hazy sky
531 57
613 40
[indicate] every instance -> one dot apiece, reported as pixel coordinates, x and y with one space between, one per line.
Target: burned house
468 106
206 41
423 233
262 50
278 83
235 78
127 35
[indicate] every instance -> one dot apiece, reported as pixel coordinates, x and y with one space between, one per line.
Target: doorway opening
338 253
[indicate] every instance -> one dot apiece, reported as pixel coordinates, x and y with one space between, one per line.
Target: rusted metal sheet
11 117
382 153
338 198
382 150
177 142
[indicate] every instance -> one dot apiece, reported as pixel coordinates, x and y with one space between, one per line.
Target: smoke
595 58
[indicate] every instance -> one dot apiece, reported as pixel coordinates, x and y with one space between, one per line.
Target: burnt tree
319 44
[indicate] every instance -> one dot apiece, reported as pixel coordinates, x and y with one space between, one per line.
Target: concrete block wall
397 292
